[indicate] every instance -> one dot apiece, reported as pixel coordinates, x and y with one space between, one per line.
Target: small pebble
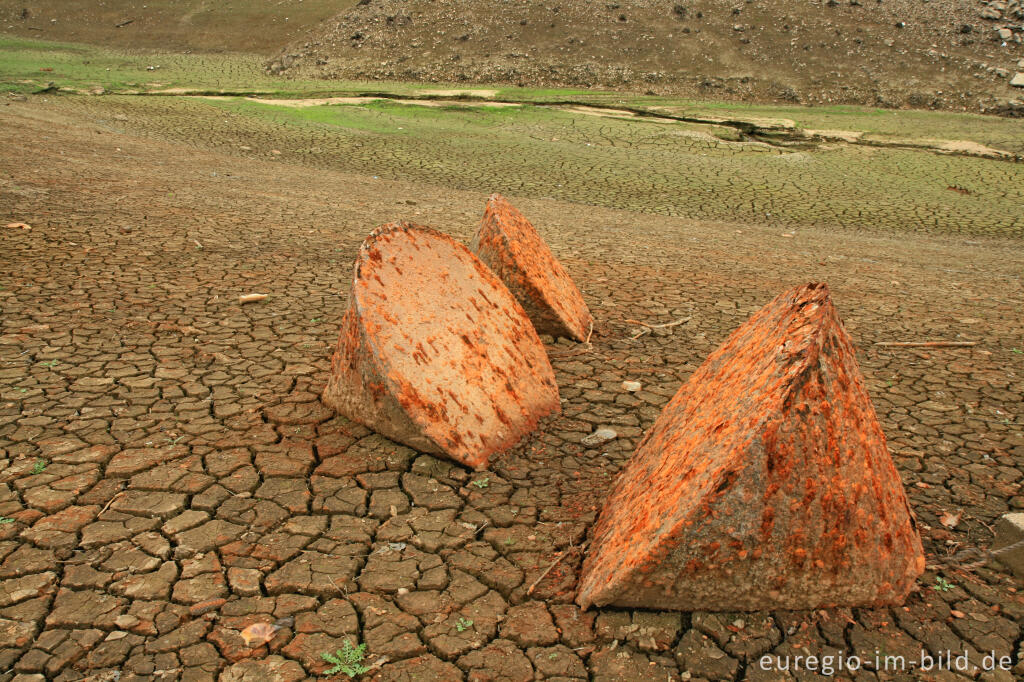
599 437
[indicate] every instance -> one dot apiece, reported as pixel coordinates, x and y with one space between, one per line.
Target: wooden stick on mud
926 344
662 326
111 501
571 550
648 327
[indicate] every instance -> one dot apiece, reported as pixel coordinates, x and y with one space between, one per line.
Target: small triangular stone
434 351
764 484
511 247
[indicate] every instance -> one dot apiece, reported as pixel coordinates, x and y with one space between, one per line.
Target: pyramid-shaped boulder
511 247
765 483
434 351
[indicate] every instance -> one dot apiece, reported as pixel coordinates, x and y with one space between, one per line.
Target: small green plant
463 624
1018 351
39 467
942 585
51 364
315 319
6 519
509 542
348 659
481 483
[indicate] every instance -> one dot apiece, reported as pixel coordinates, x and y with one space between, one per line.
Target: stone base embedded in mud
511 247
764 484
1008 546
434 351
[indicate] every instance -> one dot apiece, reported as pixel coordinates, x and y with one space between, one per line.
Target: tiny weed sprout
942 585
463 624
348 659
481 483
39 467
6 519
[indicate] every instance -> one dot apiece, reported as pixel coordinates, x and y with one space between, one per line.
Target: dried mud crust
172 478
648 167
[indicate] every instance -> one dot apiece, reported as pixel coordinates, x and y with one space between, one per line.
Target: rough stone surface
1008 544
512 248
435 353
765 483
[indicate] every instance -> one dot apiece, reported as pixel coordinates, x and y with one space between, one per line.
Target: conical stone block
511 247
765 483
435 353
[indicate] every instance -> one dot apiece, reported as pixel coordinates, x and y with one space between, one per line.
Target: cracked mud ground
170 477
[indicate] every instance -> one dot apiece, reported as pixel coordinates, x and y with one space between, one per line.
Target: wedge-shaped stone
511 247
435 352
765 483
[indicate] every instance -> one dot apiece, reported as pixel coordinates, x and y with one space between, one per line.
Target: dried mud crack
170 477
777 133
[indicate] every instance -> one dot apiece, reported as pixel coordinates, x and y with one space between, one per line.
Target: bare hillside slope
879 52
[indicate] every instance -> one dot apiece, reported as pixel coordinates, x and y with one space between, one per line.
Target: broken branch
649 327
926 344
678 322
571 550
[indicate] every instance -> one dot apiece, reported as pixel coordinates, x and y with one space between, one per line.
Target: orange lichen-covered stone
765 483
511 247
434 352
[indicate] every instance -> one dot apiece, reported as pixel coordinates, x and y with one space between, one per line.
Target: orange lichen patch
434 352
765 483
511 247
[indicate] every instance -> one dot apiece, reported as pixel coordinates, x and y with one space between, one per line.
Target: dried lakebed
172 478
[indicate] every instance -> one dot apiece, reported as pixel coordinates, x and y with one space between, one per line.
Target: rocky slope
954 54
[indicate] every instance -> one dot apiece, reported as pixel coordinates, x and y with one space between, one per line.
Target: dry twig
926 344
110 502
648 327
571 550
